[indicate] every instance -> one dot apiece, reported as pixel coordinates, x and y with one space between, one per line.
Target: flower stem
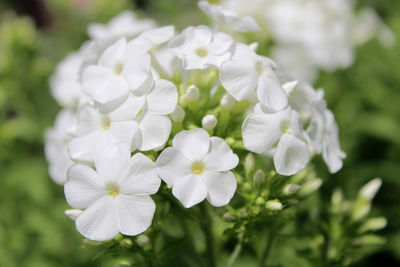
268 247
236 251
206 226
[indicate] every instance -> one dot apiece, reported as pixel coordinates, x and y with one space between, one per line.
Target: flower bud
259 177
371 240
73 214
142 240
254 46
291 189
209 122
290 86
178 114
260 201
274 205
249 163
311 186
229 217
126 242
373 224
192 93
227 101
370 189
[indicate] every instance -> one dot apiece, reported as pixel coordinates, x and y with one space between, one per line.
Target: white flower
229 18
331 152
283 130
64 83
198 167
122 67
209 122
247 72
115 196
56 140
126 25
96 130
200 48
154 123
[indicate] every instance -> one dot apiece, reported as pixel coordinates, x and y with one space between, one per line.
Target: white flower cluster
119 95
310 34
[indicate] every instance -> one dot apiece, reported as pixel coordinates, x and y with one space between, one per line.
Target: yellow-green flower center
105 122
198 167
118 68
285 127
112 189
202 52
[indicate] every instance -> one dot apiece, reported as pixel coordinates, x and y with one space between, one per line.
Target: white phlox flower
198 167
122 68
115 196
283 130
56 140
200 48
64 83
247 72
229 18
126 24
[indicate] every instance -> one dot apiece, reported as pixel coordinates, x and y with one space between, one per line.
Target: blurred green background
34 38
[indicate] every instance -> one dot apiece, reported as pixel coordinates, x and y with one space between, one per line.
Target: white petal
270 93
89 120
83 186
137 48
221 43
114 89
111 161
155 131
243 24
112 55
140 177
163 98
85 148
94 77
193 144
124 131
159 35
135 214
128 110
292 155
221 187
220 156
261 132
190 190
173 165
137 71
239 78
99 222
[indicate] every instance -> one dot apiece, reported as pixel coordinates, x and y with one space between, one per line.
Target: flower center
118 68
105 122
140 112
285 127
112 189
202 52
260 68
198 167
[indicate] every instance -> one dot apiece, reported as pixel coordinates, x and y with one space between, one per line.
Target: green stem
206 226
268 247
236 251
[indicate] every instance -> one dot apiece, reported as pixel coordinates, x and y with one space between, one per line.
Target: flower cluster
135 88
309 35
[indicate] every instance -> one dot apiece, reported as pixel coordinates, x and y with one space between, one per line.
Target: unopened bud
254 46
291 189
260 201
259 177
373 224
142 240
311 186
227 101
247 187
290 86
73 214
192 93
178 114
229 217
370 189
209 122
274 205
371 240
126 242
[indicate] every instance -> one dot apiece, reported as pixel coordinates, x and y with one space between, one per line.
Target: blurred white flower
283 130
121 68
198 167
229 18
56 140
247 72
115 196
200 48
126 25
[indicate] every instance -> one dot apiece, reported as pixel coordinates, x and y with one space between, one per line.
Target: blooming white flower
229 18
64 83
247 72
56 140
126 24
200 48
122 67
115 196
283 130
198 167
209 122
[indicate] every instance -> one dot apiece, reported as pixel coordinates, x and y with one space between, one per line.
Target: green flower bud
274 205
